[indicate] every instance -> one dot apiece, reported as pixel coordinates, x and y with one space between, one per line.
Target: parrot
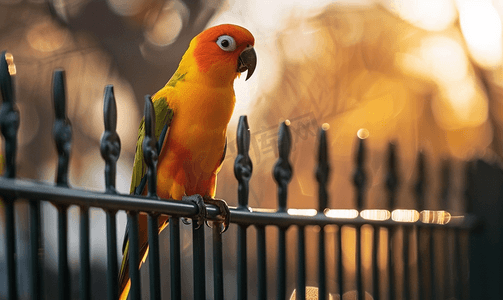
192 112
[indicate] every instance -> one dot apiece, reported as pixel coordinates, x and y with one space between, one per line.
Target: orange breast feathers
194 147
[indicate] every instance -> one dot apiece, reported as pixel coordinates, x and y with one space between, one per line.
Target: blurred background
425 75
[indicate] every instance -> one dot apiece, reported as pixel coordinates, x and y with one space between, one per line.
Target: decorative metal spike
360 176
283 169
110 142
392 177
243 166
471 171
9 125
9 118
150 147
445 177
322 171
420 181
62 129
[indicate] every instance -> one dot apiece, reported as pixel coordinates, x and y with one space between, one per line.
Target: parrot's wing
163 117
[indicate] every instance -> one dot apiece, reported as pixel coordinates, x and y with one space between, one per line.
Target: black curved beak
247 61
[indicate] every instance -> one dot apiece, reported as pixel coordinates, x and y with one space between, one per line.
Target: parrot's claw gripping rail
225 213
201 215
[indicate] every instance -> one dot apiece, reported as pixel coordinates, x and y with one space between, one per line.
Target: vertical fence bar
62 133
301 261
391 184
406 260
419 197
63 270
110 148
199 268
112 270
444 200
242 267
261 264
36 249
376 239
457 266
340 265
281 292
151 155
322 175
174 256
218 278
9 125
85 266
282 174
359 180
243 169
134 255
375 265
431 250
465 263
154 269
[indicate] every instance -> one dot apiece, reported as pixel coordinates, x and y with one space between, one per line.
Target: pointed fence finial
283 169
110 147
9 118
243 166
150 147
323 170
62 129
445 177
392 177
359 175
471 171
420 181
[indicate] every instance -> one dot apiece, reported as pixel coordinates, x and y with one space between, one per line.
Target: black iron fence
473 265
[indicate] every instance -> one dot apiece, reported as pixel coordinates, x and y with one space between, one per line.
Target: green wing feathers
163 116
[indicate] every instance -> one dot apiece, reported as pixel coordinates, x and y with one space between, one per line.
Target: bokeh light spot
363 133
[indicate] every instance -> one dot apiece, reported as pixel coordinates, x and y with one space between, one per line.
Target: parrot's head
223 52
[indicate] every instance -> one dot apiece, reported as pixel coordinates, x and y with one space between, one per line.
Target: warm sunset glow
434 15
445 58
47 36
460 104
302 212
435 216
375 214
481 27
405 215
341 213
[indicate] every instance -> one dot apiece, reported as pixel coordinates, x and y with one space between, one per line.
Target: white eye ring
226 43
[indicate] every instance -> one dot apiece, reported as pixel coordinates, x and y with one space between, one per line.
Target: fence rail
418 223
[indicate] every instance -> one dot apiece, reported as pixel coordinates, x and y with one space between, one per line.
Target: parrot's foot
224 212
201 215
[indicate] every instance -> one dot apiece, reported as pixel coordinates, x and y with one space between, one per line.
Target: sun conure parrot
196 104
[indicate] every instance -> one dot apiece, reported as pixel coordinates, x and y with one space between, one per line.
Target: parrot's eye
226 43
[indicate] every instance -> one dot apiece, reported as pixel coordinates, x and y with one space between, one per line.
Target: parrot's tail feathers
124 280
125 291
